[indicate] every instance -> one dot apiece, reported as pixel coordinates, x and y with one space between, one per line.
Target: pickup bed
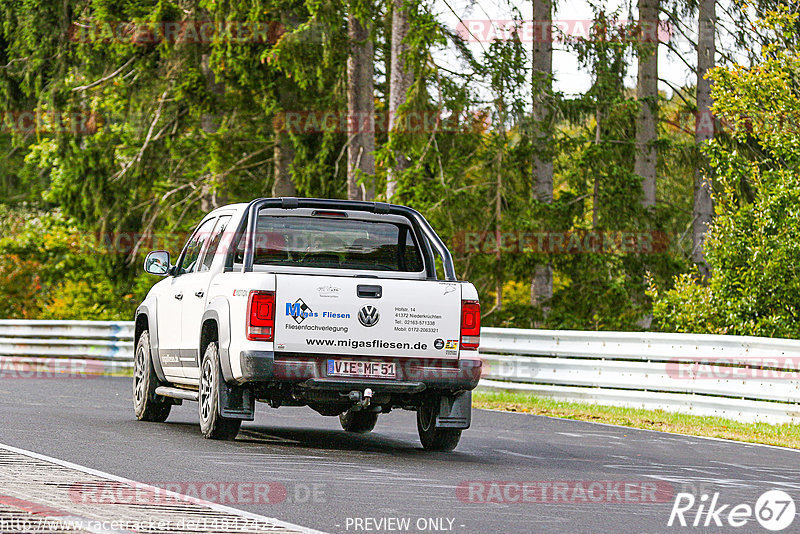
331 304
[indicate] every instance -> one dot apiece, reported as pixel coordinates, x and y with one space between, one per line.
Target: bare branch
679 92
104 78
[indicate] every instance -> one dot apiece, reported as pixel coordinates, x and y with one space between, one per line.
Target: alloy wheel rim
205 390
138 376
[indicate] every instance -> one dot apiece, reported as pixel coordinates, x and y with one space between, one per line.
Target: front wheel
212 424
146 404
358 420
432 438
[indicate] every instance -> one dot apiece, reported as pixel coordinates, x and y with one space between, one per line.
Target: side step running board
177 393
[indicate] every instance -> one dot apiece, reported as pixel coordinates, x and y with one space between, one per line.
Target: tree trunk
596 187
286 92
542 283
647 94
283 156
704 130
400 80
360 110
209 123
498 233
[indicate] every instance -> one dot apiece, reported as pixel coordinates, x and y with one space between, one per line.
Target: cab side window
194 247
213 244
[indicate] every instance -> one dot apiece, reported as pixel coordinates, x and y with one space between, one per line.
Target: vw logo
368 316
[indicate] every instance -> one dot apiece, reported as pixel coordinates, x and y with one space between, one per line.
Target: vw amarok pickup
330 304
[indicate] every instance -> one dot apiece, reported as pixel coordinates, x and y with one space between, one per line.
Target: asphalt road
339 482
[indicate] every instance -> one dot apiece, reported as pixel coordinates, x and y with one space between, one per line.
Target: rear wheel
358 420
146 404
212 424
432 438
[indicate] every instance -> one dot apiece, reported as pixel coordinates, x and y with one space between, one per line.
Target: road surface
384 482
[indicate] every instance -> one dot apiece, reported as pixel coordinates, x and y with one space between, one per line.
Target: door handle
369 292
199 294
178 296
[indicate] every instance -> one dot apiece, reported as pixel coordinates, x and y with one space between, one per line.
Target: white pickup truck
331 304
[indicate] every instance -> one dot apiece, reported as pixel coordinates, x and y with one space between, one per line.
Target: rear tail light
261 316
470 324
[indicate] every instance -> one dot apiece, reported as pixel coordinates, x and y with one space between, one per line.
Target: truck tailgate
367 316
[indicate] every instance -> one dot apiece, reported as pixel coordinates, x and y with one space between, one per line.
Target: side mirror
157 262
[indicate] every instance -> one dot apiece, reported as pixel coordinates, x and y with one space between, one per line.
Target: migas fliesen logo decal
299 311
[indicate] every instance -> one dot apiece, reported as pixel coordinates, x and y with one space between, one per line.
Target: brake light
470 324
321 213
261 316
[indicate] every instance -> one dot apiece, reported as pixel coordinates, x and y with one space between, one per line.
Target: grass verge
785 435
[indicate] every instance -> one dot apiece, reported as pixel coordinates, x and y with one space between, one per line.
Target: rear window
337 243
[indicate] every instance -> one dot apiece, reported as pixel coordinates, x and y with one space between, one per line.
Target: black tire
432 438
146 404
358 421
212 424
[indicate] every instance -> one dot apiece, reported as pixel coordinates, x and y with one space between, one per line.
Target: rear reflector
470 324
261 316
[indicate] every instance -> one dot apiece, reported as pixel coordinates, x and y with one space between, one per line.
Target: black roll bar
421 227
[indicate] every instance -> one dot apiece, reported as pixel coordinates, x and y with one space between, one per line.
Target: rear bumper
413 374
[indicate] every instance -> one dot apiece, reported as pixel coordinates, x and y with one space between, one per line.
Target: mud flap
236 402
455 411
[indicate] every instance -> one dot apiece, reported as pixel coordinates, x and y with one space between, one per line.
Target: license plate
361 369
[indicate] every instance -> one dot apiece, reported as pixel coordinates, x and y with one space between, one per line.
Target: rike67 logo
774 510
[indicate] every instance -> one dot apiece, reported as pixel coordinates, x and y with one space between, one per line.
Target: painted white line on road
213 506
512 453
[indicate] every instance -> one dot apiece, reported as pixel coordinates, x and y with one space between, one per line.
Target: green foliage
754 245
598 192
687 307
50 269
177 127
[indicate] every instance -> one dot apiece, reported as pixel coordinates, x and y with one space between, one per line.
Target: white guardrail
50 348
741 378
737 377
